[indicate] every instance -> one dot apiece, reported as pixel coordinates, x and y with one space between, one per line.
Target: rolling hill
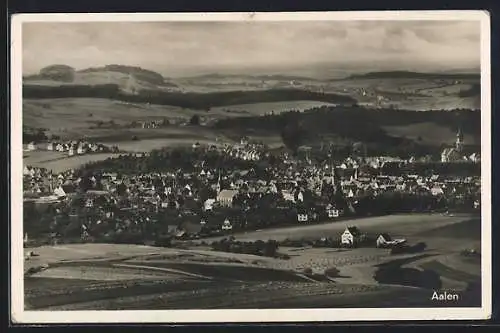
70 103
128 78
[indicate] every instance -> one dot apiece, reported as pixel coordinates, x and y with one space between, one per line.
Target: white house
226 225
287 195
302 217
477 204
50 146
80 150
332 212
351 236
437 190
384 240
300 197
60 147
225 197
208 205
59 192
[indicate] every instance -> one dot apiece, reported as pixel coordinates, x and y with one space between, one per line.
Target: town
210 190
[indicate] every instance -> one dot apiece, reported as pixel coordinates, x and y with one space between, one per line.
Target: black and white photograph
263 166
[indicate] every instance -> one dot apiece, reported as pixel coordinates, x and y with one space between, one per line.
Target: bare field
270 295
101 274
41 156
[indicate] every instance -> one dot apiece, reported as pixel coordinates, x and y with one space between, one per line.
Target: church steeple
219 187
459 143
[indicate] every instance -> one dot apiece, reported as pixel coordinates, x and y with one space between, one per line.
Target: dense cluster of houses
208 198
75 147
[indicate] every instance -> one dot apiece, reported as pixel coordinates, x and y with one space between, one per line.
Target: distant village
71 148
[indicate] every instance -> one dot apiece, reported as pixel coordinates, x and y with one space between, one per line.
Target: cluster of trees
200 101
356 124
34 134
259 248
396 202
72 91
138 73
169 159
61 73
430 168
327 242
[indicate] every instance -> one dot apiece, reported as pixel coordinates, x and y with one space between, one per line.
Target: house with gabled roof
351 236
225 197
385 241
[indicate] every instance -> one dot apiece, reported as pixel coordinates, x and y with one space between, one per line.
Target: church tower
459 143
219 186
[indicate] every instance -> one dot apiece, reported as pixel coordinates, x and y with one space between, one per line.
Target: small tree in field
195 120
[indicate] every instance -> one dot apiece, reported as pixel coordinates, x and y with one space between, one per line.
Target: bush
405 249
195 120
332 272
470 253
307 271
164 242
283 256
270 248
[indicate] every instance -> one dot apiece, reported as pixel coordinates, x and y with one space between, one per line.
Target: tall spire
218 184
460 140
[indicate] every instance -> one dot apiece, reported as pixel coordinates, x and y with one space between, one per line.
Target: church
456 153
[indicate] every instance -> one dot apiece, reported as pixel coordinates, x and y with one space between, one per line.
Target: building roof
386 236
227 194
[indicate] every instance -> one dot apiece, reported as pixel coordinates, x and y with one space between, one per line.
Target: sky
192 48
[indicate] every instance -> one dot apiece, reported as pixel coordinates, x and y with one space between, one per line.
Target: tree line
199 101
